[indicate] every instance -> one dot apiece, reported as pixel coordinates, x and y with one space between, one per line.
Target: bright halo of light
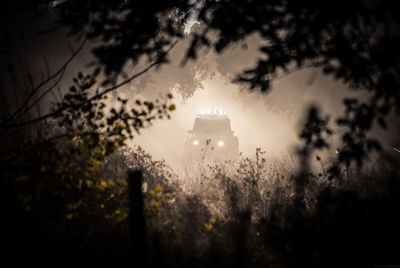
220 143
212 111
196 142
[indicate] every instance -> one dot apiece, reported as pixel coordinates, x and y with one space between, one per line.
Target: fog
254 124
270 121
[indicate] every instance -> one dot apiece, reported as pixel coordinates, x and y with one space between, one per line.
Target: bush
236 214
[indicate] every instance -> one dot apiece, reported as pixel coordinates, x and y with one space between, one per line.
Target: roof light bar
212 111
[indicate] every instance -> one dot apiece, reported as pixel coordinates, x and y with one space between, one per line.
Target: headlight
220 143
195 142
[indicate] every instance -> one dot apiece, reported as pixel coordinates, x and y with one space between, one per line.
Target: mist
115 151
270 121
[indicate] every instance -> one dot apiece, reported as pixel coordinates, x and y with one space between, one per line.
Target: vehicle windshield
211 126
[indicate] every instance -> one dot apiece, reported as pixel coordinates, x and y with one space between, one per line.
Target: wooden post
137 219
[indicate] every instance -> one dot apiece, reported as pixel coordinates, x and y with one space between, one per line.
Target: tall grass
243 213
240 214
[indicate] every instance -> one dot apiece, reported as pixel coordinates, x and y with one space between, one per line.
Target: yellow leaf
89 183
155 204
172 107
208 226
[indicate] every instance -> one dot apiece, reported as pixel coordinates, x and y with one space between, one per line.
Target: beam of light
220 143
397 150
196 142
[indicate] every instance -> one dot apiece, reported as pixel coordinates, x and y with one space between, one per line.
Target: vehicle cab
211 138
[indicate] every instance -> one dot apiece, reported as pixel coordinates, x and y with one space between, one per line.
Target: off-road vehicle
211 139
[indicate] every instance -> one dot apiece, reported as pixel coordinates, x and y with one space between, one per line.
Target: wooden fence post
137 219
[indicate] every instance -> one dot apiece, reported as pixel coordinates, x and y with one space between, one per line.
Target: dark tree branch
97 96
133 76
29 107
50 78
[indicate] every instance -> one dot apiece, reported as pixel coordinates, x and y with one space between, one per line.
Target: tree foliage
355 42
62 163
52 161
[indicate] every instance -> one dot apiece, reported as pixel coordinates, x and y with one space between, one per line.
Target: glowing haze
270 121
253 124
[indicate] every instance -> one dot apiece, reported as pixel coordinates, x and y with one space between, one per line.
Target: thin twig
4 105
97 96
41 96
46 81
296 69
31 146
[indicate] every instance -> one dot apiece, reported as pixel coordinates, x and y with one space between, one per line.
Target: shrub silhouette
64 191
